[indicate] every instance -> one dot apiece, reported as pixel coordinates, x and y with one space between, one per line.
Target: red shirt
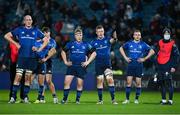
14 52
164 51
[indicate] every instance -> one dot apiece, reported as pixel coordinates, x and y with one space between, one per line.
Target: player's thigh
100 79
79 82
108 74
68 79
41 78
48 78
17 79
138 81
129 80
28 75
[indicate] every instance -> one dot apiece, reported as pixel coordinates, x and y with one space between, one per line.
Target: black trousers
12 77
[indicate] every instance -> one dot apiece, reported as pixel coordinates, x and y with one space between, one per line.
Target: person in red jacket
167 62
13 60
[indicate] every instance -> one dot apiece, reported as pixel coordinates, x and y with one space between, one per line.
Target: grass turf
149 104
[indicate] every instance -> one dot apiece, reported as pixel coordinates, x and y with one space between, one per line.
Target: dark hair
166 29
78 29
136 30
46 29
99 27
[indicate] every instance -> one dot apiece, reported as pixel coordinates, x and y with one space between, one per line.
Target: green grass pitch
149 104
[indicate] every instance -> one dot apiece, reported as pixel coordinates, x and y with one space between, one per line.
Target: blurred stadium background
151 16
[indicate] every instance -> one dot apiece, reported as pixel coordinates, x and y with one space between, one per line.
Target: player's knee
138 84
79 86
27 83
66 85
16 82
19 72
110 80
108 72
41 82
28 73
49 82
100 79
128 83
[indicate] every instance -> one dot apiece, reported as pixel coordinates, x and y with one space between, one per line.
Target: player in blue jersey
48 51
40 70
77 63
102 45
134 52
24 39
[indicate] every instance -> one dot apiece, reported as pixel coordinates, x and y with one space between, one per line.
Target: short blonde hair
78 29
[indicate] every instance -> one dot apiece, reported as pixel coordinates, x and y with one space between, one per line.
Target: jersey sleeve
146 47
35 44
15 33
92 44
125 46
109 39
67 47
54 44
90 49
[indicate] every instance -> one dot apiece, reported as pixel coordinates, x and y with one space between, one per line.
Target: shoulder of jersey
21 27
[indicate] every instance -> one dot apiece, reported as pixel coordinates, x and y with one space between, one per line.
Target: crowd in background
62 17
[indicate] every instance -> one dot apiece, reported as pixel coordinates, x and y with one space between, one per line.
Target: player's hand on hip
140 60
44 60
34 48
18 45
85 64
128 59
68 63
39 50
173 70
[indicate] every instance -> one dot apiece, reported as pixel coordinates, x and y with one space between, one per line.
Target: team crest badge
33 33
83 47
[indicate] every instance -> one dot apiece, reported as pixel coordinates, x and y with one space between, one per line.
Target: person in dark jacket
13 60
167 62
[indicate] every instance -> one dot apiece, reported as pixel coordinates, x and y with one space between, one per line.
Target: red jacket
14 53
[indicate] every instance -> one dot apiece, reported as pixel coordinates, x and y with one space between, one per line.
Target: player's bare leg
51 87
